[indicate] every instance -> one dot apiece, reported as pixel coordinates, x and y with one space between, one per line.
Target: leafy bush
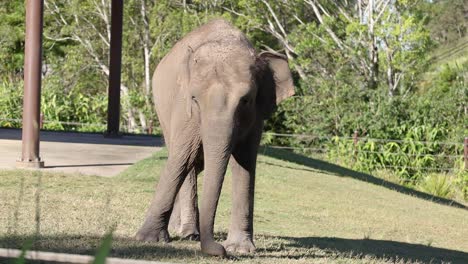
73 107
411 157
437 184
11 102
57 105
461 182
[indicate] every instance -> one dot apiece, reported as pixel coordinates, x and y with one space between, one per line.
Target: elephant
212 94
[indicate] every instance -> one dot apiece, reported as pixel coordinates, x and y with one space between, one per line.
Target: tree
145 42
89 35
351 60
405 43
12 41
449 19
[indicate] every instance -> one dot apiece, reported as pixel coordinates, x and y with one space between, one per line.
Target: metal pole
115 65
32 85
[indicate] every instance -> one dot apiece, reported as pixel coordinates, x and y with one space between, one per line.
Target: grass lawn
306 211
455 52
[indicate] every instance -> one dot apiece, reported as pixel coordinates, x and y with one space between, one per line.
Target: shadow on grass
276 247
381 249
320 165
87 245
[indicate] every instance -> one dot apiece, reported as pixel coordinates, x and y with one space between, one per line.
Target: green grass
452 55
306 211
456 52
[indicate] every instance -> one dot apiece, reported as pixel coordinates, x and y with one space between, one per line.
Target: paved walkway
66 258
84 153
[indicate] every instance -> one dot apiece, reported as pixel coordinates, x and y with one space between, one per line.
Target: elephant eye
194 99
244 101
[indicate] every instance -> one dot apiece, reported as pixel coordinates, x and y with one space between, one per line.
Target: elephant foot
153 236
242 244
190 232
212 248
186 231
191 237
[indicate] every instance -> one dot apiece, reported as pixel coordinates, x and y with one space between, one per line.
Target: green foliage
71 106
12 41
11 101
104 249
410 158
335 93
437 184
22 258
445 102
448 19
462 182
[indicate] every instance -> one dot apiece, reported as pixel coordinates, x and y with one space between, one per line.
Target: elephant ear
274 81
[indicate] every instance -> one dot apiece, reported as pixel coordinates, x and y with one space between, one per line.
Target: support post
115 65
41 121
150 128
32 85
355 142
465 152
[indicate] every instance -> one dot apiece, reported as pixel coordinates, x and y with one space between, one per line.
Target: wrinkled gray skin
212 93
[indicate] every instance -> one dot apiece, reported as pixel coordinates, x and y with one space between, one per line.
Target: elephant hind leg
183 152
174 220
157 218
185 217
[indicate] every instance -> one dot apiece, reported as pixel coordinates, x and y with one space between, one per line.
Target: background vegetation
389 69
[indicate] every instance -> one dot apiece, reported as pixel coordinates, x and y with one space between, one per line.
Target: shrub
11 103
437 184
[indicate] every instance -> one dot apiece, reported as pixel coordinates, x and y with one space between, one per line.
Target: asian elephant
212 93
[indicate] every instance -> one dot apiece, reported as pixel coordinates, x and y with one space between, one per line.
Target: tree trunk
143 122
146 49
373 50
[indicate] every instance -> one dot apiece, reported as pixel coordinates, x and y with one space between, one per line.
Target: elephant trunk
217 143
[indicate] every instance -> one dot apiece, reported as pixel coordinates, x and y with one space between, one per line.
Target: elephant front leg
240 236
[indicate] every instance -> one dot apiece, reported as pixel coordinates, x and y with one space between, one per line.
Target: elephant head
230 86
229 89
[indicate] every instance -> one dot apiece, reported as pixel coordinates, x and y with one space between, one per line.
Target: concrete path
84 153
47 257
